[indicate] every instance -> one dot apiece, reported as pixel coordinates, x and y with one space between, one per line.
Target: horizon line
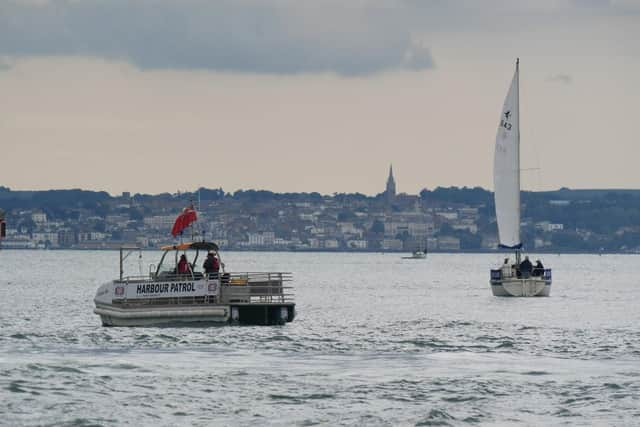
179 192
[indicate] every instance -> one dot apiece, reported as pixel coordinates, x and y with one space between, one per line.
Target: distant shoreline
467 252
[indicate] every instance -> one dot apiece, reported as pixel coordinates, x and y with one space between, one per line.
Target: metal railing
496 275
257 287
242 287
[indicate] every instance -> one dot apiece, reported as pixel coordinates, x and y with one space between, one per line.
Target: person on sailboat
525 268
538 270
506 268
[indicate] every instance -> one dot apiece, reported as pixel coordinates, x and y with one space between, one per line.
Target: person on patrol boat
183 265
211 264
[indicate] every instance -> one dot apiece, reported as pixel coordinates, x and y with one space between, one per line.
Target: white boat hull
115 316
533 287
511 286
248 298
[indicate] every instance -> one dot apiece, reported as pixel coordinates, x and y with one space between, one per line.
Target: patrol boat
168 296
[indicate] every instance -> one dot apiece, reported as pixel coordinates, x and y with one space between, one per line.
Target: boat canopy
201 246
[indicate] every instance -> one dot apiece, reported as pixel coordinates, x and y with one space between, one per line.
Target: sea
378 340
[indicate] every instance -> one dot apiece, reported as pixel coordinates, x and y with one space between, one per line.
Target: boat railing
241 287
257 287
133 279
496 275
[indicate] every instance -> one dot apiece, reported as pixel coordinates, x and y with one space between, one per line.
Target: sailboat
519 278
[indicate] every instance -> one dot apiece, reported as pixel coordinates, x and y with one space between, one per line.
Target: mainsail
506 169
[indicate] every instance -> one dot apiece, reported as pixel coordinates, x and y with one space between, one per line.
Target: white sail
506 169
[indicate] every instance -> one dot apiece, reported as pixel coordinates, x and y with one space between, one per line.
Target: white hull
531 287
114 316
248 298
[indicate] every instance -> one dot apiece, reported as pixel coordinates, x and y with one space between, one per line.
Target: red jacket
183 267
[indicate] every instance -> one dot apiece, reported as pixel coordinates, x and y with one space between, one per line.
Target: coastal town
444 219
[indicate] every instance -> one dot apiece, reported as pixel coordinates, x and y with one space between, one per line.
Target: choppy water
377 341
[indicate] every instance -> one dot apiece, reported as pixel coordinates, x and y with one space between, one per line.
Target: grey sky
264 36
295 95
270 36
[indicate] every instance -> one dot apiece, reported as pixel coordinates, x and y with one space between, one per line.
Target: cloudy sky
297 95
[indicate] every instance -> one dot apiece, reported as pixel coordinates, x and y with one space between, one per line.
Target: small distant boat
417 254
518 279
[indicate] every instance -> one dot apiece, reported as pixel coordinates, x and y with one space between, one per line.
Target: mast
518 148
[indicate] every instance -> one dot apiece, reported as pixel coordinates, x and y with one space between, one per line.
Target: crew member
538 270
526 267
183 265
211 264
506 268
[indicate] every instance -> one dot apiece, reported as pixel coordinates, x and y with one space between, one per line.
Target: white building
91 236
256 239
331 244
559 202
160 221
349 228
45 237
269 238
39 217
357 244
450 215
471 228
549 227
306 217
391 245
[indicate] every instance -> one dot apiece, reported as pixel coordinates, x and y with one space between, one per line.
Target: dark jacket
526 267
538 270
211 265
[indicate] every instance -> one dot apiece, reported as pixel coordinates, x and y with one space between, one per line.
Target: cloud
257 36
347 37
560 78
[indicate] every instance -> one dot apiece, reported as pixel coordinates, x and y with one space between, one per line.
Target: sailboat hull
518 287
521 288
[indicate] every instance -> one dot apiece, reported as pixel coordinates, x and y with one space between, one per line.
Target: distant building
357 244
448 214
50 239
39 218
549 227
448 243
391 245
66 238
331 244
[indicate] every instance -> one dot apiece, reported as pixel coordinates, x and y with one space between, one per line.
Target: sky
151 96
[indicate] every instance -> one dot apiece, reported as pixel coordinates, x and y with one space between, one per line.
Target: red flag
185 219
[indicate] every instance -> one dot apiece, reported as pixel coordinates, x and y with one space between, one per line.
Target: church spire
391 185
